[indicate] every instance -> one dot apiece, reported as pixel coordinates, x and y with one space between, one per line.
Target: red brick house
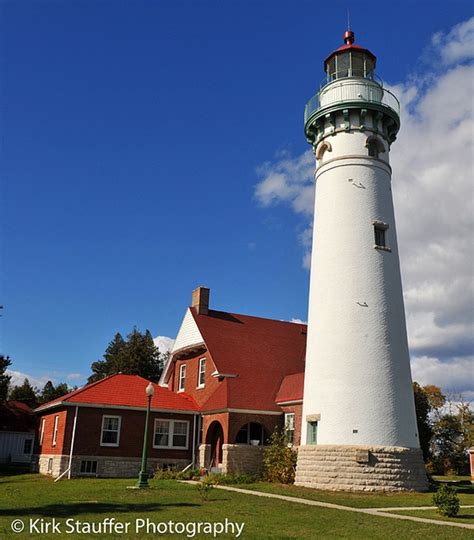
98 429
246 374
229 382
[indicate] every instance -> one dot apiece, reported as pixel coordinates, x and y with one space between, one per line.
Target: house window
171 434
202 373
290 427
27 446
110 435
251 433
312 433
182 377
50 465
380 236
43 422
88 467
55 430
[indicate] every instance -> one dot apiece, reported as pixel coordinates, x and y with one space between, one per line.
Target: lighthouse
359 427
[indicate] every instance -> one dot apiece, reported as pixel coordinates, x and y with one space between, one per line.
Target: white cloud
456 45
453 375
74 376
298 321
432 162
18 377
164 343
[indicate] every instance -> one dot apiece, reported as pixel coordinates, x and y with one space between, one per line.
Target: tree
5 379
51 392
138 355
452 436
25 393
423 407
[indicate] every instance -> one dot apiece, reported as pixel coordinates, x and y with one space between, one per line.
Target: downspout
194 440
73 438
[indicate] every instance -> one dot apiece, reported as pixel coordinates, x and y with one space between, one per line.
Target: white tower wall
357 375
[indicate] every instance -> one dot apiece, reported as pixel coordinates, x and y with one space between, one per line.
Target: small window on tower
380 235
373 151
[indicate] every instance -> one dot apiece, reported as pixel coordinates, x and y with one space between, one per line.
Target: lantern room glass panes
350 64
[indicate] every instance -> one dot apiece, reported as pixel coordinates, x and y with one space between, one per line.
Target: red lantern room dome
350 60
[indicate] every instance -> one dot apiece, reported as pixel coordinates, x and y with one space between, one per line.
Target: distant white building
17 432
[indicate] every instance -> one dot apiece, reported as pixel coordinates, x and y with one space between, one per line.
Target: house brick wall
201 395
47 446
297 409
238 420
123 460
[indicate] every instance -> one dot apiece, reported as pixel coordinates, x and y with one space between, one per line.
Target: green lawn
364 500
92 500
466 515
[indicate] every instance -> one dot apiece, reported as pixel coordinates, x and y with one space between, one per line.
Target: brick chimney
200 300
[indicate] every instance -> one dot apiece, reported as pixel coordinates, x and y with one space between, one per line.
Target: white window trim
171 423
118 430
43 422
200 384
182 379
55 430
287 428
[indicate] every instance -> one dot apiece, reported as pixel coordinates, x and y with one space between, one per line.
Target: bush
232 478
205 486
176 474
279 459
447 501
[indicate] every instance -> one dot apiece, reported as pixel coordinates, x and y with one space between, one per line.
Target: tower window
380 235
372 147
312 433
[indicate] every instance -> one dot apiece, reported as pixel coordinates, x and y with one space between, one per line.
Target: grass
33 496
466 515
364 500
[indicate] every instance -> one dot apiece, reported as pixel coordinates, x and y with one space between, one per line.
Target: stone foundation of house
236 458
361 468
107 467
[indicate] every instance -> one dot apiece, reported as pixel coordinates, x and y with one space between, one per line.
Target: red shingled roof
291 388
260 351
16 416
125 391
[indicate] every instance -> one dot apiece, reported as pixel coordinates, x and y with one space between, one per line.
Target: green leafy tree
452 436
25 393
51 392
5 379
138 355
423 407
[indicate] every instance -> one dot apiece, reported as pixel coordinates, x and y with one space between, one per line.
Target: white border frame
55 430
171 422
181 389
118 430
199 384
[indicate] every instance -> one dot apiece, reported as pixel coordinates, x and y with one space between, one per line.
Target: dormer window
202 373
182 377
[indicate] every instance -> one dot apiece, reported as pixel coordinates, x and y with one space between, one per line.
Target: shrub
205 486
176 474
232 478
279 459
447 501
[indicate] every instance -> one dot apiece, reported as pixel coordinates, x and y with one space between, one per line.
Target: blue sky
133 141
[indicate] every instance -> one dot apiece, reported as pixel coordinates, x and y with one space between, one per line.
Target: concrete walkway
371 511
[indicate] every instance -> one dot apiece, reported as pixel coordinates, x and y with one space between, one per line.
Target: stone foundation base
361 468
236 458
107 467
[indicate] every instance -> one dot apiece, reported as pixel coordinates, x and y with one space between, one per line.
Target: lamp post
142 481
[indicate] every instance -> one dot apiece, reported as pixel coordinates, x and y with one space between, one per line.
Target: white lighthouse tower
359 427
